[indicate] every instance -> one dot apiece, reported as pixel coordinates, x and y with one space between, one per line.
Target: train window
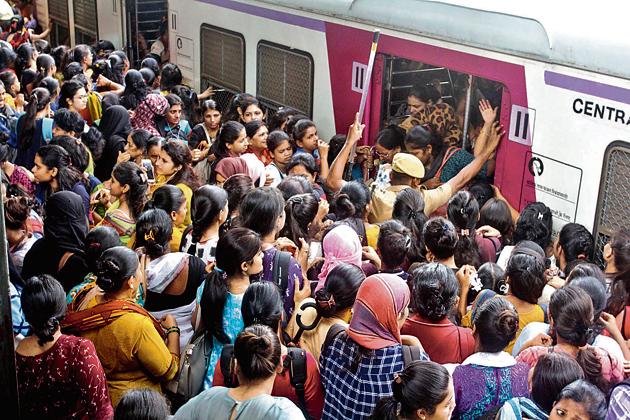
440 85
222 58
58 14
613 211
85 22
285 77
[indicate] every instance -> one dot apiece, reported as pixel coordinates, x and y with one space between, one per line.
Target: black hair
393 242
171 76
482 191
299 130
69 121
152 64
596 289
409 210
280 117
181 155
571 310
294 185
260 209
553 371
422 385
173 99
8 78
335 144
44 64
94 141
44 305
391 137
80 52
117 64
496 213
154 229
258 353
71 70
142 404
54 156
463 212
79 156
155 141
136 90
340 290
228 134
115 267
241 102
252 127
147 75
492 276
17 210
421 137
584 269
168 198
290 123
59 53
24 55
37 102
424 92
576 242
620 246
306 160
98 240
435 290
351 201
526 274
68 90
496 325
237 186
7 58
140 137
189 102
210 104
81 78
207 203
237 246
275 139
534 224
103 47
128 173
591 398
262 305
440 237
300 211
50 84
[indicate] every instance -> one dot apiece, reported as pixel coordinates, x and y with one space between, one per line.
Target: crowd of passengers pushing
141 217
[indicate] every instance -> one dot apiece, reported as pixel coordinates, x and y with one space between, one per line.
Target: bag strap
333 332
64 259
226 362
447 155
296 361
411 354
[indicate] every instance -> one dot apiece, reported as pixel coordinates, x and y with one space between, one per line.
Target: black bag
280 272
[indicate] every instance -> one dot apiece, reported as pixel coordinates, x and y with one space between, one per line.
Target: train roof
589 36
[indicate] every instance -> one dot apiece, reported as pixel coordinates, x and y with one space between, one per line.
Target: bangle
172 330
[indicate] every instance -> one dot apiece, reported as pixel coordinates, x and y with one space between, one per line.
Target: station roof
590 36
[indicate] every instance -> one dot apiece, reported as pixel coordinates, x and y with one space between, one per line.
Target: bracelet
172 330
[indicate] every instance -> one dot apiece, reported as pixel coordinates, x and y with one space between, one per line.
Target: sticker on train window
522 124
555 183
358 76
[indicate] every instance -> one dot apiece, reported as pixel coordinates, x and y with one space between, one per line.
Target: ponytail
589 361
37 102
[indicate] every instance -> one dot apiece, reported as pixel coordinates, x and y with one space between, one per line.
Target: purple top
481 388
295 274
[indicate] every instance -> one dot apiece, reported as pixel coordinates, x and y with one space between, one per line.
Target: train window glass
613 211
85 21
222 58
58 14
285 77
443 85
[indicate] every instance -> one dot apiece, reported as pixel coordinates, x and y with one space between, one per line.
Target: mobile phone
148 167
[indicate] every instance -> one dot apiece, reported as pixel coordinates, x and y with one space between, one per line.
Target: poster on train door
555 183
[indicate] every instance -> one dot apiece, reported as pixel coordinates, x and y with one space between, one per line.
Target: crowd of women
172 257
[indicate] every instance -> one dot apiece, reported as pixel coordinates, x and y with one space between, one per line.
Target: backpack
294 362
410 353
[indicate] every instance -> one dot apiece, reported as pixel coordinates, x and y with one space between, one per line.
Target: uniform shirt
383 200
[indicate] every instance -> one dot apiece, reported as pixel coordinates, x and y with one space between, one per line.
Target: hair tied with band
540 216
328 303
218 270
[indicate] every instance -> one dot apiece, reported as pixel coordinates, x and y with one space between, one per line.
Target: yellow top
188 193
133 354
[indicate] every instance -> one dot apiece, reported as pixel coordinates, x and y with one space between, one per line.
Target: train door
110 21
143 20
613 211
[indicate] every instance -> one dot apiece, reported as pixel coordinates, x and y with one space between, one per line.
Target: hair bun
325 302
107 272
506 324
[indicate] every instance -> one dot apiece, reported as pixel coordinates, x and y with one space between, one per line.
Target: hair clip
445 227
464 232
149 235
412 214
218 270
475 283
397 378
540 216
95 245
461 211
143 177
407 242
503 289
330 302
398 409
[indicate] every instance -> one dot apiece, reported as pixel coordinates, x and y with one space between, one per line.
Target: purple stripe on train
588 87
304 22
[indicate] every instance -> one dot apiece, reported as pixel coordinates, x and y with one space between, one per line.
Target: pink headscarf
229 166
380 300
255 168
340 245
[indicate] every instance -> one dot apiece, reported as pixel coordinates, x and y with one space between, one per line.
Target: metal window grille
58 14
285 77
144 18
613 211
85 21
58 10
222 58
